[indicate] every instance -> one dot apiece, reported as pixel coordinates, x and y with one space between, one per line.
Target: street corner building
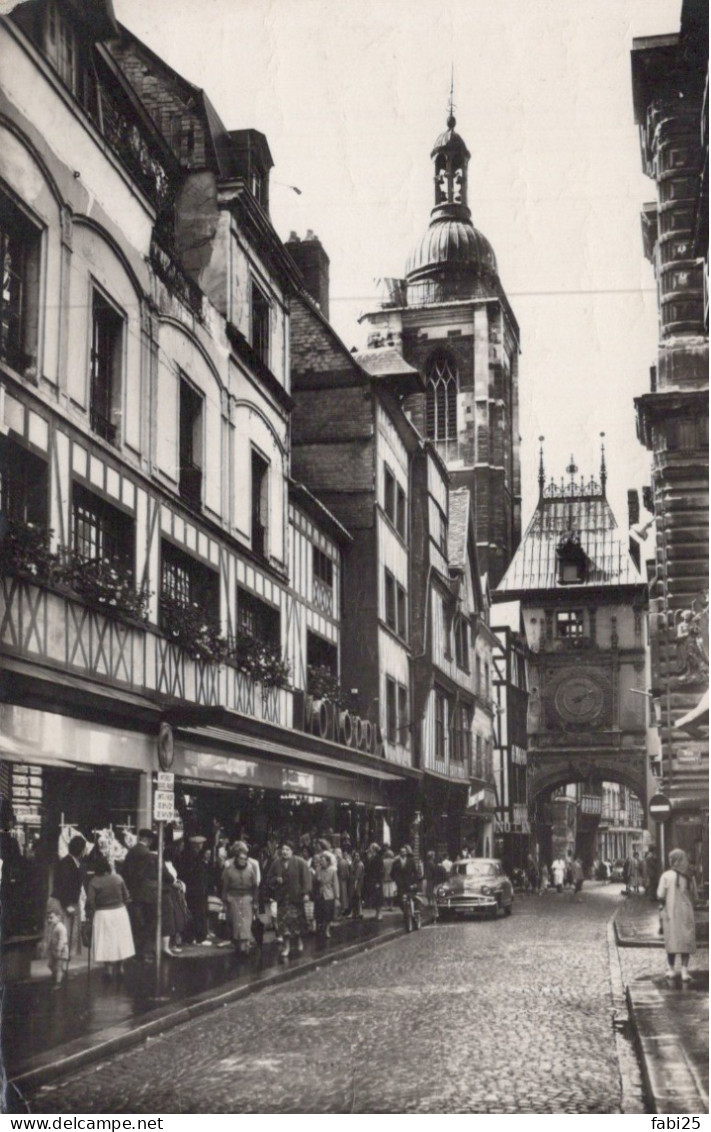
232 551
670 93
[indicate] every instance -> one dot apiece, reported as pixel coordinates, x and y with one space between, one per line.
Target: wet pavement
37 1019
637 923
670 1018
474 1016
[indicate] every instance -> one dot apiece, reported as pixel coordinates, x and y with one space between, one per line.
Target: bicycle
411 904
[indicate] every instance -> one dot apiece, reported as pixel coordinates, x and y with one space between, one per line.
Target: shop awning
446 778
15 751
688 800
695 719
257 745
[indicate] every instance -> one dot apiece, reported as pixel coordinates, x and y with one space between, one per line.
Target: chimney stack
313 263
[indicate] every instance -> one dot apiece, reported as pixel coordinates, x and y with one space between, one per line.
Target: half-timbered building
165 588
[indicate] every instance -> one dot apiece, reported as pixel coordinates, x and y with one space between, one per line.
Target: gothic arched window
442 388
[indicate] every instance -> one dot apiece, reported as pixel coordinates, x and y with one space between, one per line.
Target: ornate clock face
579 699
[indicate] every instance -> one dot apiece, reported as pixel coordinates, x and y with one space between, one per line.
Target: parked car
475 884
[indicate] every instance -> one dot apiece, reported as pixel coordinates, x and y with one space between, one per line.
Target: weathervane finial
603 465
451 120
541 468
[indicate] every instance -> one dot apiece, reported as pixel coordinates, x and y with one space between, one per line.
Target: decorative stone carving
692 657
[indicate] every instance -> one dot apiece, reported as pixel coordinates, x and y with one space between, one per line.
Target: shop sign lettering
297 780
324 719
163 805
232 768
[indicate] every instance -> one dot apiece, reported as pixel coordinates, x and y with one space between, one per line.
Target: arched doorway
595 818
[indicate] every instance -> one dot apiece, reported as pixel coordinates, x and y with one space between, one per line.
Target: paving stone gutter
92 1047
668 1021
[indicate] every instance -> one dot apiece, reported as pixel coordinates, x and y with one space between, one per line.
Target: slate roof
575 513
385 361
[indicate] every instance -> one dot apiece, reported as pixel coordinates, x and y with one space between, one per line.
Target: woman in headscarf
676 894
240 886
327 882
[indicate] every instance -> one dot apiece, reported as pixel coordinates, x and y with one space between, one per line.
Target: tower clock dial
579 699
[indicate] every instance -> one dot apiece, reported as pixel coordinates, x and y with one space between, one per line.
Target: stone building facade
582 607
670 94
451 319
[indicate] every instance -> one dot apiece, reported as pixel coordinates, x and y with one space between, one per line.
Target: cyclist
406 875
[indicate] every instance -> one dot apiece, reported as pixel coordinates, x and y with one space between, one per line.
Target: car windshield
475 869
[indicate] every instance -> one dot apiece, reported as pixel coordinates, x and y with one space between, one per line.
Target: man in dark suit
140 872
66 888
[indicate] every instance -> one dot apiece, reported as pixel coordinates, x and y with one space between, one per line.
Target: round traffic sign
659 807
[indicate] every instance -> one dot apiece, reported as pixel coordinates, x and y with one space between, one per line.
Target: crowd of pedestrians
223 894
217 893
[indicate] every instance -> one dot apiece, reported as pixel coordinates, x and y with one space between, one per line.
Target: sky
352 94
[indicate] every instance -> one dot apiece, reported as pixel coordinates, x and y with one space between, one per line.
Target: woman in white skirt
111 936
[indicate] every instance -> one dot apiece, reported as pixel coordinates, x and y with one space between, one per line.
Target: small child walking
58 948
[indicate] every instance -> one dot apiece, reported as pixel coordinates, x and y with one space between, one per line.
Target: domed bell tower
451 319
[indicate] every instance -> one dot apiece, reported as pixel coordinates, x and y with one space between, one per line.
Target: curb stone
77 1054
632 1092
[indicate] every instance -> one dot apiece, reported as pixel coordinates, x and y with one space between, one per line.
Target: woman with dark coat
174 910
326 886
289 883
356 886
373 879
193 871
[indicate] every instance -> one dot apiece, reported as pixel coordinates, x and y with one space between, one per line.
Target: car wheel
508 909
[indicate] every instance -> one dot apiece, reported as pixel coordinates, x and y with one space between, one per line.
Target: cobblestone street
465 1017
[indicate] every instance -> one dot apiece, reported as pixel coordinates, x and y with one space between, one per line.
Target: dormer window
258 187
572 563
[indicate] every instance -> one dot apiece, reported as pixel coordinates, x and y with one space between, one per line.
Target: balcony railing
323 596
102 426
61 632
167 266
259 539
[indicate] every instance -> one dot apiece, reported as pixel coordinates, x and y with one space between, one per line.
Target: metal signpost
660 810
163 811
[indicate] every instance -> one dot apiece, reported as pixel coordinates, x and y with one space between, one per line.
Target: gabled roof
458 529
461 544
570 516
302 497
386 361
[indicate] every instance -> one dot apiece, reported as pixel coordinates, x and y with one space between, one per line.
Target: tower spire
451 120
603 466
541 469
